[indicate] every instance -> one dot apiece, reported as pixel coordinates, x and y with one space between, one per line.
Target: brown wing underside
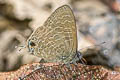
56 39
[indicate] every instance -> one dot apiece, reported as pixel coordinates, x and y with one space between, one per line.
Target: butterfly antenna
21 47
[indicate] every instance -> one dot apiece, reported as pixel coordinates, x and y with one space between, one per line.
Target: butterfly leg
78 57
68 65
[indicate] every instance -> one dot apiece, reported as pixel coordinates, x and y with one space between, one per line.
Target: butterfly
56 39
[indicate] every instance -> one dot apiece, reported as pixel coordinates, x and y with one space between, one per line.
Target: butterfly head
32 45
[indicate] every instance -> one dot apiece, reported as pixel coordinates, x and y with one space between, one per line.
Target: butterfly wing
56 40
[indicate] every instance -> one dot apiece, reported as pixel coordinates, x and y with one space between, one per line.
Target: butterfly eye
32 43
